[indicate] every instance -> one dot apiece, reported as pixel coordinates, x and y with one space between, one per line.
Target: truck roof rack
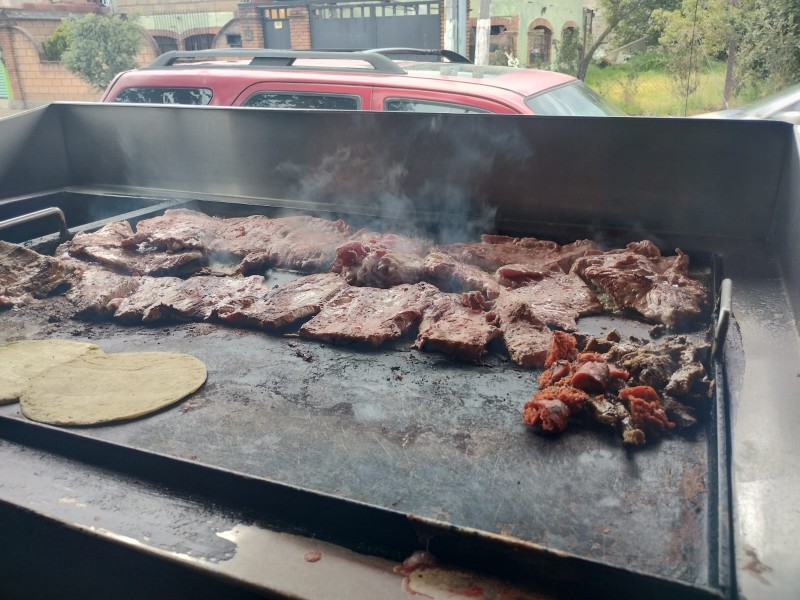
277 59
453 57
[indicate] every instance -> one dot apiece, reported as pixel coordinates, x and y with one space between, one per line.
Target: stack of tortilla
73 383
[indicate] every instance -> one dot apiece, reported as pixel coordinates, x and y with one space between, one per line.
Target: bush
650 60
57 43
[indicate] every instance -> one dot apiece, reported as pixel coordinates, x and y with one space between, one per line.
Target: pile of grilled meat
371 287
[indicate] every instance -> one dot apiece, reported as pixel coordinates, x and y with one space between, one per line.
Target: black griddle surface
418 433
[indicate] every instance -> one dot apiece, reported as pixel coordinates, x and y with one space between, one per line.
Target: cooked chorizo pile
640 389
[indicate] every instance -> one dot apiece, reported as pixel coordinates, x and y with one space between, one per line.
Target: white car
783 106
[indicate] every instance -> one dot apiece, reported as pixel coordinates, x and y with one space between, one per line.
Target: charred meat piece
672 365
656 287
283 305
526 337
614 415
25 275
104 246
556 298
449 275
298 243
371 315
450 327
495 251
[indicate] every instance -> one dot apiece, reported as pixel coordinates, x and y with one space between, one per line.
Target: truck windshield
573 99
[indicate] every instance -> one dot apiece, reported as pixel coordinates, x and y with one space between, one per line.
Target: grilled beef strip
371 315
25 275
638 278
450 275
526 336
373 259
299 243
451 326
284 305
365 265
391 241
556 298
181 229
194 299
104 246
93 287
496 251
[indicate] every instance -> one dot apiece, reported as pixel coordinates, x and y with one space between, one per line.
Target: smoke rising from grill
450 201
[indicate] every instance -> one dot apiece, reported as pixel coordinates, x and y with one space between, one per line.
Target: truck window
426 106
164 95
304 100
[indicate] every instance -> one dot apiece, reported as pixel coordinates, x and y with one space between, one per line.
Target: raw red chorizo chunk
562 347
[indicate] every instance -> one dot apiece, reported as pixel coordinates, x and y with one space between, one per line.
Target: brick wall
35 80
250 26
167 6
300 28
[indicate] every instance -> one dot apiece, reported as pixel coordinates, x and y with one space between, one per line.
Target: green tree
57 43
100 47
691 33
627 16
768 56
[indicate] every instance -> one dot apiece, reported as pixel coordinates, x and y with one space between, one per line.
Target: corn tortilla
23 361
113 387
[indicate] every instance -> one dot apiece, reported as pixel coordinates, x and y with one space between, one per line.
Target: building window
234 40
539 43
201 41
165 43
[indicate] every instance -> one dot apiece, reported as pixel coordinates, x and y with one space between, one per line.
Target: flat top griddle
419 433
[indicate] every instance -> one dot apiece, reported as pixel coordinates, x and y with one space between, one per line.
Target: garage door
375 25
4 85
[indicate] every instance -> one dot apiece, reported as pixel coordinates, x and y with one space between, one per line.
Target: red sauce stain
312 556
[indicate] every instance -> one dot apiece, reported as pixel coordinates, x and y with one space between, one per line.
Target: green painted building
531 31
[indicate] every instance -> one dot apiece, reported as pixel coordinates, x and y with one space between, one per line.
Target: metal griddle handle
63 233
724 317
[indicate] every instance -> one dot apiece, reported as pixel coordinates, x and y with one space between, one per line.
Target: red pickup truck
380 80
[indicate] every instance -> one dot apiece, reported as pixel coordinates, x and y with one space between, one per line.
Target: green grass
649 92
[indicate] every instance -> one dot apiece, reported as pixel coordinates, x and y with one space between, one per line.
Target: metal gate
375 25
277 34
